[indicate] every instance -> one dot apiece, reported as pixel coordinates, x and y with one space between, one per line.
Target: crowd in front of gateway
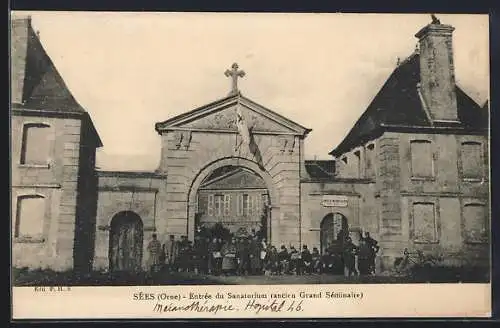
252 255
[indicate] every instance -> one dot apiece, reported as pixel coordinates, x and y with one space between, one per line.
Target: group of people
252 255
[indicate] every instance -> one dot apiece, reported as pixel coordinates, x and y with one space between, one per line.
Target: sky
131 70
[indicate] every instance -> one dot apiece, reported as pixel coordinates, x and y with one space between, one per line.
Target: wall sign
334 201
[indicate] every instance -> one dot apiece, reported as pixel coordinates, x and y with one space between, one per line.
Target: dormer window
357 156
370 160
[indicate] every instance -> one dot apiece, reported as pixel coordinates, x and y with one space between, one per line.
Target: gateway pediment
221 116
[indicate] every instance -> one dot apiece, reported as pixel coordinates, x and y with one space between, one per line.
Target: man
154 249
364 256
374 248
295 261
306 260
316 261
349 253
284 260
256 256
243 256
170 252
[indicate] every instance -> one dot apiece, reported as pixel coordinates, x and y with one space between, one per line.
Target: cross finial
234 73
435 20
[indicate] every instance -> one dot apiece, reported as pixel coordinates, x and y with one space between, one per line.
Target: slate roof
320 169
398 104
36 85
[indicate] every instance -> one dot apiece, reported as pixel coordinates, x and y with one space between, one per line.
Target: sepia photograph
168 149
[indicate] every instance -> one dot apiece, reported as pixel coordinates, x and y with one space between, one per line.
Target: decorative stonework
286 144
225 119
182 139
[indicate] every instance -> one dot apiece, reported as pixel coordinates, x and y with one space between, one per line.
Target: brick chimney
19 35
437 74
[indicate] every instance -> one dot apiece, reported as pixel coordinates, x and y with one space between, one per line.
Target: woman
229 263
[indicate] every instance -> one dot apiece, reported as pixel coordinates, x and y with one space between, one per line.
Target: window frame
432 175
486 223
437 230
18 238
481 175
24 142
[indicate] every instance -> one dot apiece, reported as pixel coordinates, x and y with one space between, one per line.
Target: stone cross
234 73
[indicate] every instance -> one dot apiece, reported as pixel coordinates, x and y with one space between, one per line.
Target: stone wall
126 191
188 164
360 211
57 182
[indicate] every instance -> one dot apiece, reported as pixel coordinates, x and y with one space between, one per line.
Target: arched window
424 223
30 216
422 165
472 160
475 223
35 147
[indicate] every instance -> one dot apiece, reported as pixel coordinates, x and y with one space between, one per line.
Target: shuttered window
227 205
210 207
219 202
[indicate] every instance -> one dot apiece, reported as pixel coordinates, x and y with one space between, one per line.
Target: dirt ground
25 277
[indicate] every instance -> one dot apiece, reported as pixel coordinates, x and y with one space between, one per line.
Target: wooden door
126 242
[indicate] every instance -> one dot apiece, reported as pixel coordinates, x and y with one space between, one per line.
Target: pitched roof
224 103
36 83
235 178
398 104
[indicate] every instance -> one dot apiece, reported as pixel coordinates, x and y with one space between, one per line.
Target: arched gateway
255 145
236 194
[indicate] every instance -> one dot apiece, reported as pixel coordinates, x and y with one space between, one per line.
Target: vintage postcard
244 165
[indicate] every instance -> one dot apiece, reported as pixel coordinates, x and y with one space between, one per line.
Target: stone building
413 171
53 145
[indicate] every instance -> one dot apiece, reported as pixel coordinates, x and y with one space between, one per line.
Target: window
424 223
421 159
219 202
472 160
257 205
475 223
227 205
30 216
210 207
246 204
35 147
